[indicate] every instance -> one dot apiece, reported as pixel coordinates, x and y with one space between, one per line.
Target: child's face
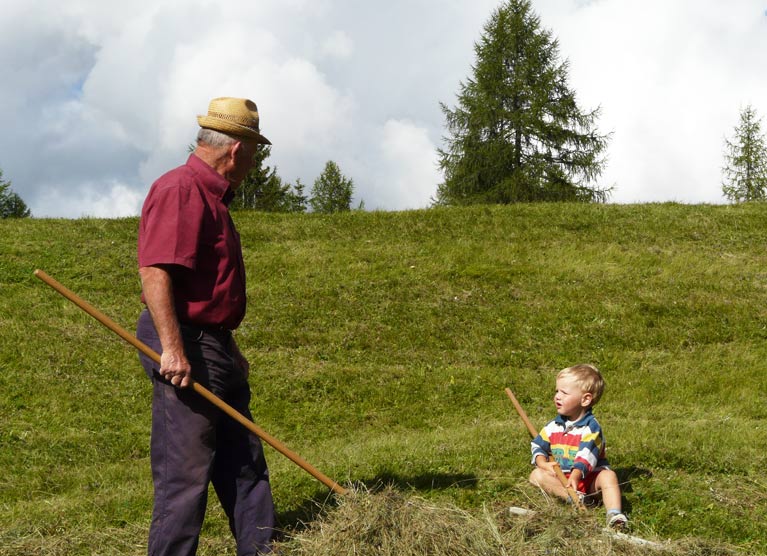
570 400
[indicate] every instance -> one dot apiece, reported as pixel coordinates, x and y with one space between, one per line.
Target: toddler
574 438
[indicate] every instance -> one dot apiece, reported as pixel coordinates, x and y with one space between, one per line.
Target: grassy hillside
380 345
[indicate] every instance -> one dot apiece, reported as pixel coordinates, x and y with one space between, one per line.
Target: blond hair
587 377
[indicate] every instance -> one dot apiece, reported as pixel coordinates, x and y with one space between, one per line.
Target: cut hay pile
390 523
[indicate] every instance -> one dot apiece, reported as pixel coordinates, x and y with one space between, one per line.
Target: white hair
214 138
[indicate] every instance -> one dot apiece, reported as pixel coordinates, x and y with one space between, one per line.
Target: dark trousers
194 443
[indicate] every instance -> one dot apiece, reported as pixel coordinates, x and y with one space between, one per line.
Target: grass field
381 344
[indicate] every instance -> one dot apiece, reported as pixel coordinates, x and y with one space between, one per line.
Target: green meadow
380 346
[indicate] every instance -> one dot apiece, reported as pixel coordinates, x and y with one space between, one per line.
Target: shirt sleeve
540 446
171 223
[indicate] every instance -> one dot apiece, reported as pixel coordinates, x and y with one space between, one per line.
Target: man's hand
175 368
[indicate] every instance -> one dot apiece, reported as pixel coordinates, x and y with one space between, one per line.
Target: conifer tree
262 189
517 133
297 200
332 191
11 205
745 160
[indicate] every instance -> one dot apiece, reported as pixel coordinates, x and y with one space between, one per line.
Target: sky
99 98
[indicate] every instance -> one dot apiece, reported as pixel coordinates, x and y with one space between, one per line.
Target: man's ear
235 149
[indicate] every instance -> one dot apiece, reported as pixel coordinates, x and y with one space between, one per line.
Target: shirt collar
562 420
214 182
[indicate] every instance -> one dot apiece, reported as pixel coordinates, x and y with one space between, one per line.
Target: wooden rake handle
574 498
197 387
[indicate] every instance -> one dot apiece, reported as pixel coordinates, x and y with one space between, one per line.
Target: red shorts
586 486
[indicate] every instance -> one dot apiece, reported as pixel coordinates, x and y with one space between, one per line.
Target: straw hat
236 116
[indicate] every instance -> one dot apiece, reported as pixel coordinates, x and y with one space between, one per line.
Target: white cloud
670 78
117 200
338 45
410 174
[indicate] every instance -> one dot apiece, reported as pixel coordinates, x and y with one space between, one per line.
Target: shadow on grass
301 517
625 474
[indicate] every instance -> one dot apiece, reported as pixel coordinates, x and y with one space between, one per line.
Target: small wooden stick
558 470
196 386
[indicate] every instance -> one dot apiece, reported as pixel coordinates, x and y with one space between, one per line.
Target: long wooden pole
533 433
197 387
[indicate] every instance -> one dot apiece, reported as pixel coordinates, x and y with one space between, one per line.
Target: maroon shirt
185 222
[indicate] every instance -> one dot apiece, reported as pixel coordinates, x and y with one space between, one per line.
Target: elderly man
193 281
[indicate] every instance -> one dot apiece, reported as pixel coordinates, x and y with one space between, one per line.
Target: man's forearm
158 294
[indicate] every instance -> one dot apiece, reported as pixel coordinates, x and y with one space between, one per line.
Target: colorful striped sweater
579 445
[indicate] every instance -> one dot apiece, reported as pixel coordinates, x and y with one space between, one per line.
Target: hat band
235 119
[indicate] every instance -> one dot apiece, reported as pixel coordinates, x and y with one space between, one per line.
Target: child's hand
575 477
549 466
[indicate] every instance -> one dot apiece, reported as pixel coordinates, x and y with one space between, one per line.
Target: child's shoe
617 521
581 498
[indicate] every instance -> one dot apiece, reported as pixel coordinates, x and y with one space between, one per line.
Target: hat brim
232 128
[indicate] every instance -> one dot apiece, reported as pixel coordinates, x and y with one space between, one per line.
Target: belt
213 330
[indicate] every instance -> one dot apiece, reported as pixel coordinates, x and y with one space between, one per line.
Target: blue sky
99 100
